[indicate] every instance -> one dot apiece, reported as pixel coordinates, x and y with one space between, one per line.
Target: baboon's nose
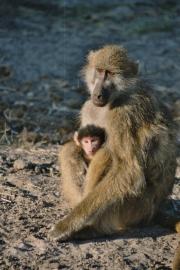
99 97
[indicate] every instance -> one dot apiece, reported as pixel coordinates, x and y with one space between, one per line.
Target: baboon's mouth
99 103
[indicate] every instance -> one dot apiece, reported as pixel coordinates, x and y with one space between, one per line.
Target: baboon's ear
90 56
90 61
134 66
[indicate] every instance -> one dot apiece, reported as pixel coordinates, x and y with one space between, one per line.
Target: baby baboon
88 139
140 150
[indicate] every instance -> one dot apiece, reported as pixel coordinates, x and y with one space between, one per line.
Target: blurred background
43 46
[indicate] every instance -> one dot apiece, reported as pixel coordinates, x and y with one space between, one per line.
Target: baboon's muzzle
100 94
100 99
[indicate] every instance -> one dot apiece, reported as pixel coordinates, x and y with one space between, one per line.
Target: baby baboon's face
90 145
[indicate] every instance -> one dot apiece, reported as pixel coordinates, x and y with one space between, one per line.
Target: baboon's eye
110 73
100 70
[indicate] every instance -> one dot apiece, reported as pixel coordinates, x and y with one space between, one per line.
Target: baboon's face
101 86
106 72
90 145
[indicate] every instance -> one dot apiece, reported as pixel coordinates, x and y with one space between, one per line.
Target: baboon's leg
106 196
85 212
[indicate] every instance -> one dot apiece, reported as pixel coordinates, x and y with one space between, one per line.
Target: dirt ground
42 49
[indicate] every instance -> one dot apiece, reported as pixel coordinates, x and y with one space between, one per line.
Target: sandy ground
31 202
42 49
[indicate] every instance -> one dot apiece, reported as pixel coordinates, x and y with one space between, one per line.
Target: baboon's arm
98 168
72 172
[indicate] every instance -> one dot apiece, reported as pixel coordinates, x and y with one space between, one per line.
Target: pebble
178 172
19 164
25 247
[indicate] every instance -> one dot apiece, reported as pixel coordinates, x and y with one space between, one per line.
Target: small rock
28 194
56 194
178 161
47 204
19 164
9 184
89 256
25 247
39 244
177 175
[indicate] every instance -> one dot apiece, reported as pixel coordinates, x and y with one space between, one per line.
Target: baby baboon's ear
75 137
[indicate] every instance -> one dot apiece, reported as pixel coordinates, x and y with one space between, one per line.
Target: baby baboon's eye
100 70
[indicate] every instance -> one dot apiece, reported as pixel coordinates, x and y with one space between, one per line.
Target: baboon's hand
59 231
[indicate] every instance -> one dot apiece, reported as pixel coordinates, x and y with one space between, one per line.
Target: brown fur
128 189
92 131
178 227
114 59
176 261
72 172
74 165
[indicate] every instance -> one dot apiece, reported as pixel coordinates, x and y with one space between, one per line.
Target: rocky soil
43 45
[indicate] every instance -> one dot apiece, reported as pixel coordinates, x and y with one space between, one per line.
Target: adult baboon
140 149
